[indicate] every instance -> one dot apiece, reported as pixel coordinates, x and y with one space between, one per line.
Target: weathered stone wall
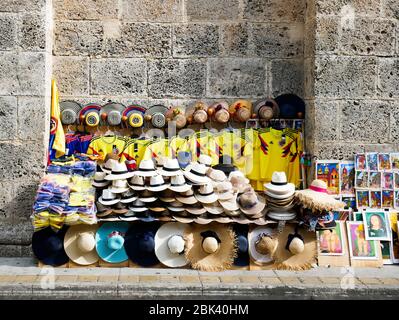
352 76
25 73
177 51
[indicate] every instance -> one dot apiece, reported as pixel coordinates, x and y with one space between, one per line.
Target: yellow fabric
101 146
135 150
294 167
203 143
59 138
178 144
231 144
158 149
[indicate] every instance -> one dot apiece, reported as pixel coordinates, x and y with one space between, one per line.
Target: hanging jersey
203 143
103 145
71 144
232 145
84 142
294 168
135 149
177 144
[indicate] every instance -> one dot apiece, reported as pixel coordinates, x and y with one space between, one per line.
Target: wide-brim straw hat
282 216
231 204
254 236
317 199
280 196
241 219
254 210
206 199
180 219
220 260
183 188
285 260
186 199
279 189
117 190
158 188
104 251
117 176
162 236
73 247
195 210
214 208
204 219
223 219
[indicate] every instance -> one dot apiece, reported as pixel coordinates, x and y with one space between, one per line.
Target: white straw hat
250 203
231 204
205 160
119 172
146 169
176 206
99 180
238 173
137 183
197 173
224 190
157 183
280 196
138 206
205 194
108 165
108 198
80 244
214 208
270 245
279 184
187 197
196 210
128 197
178 184
171 168
118 186
147 196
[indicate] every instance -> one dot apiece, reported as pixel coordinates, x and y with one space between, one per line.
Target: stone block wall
25 73
177 51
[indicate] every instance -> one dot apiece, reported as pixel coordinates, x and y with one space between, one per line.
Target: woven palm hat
196 173
157 114
113 112
137 183
119 172
80 244
290 253
147 196
266 109
223 219
242 110
279 185
69 111
187 197
167 196
210 247
109 161
317 199
196 209
157 183
180 219
204 218
241 219
179 184
224 190
282 216
262 244
108 198
231 204
171 168
250 203
222 114
146 169
99 180
205 194
119 186
214 208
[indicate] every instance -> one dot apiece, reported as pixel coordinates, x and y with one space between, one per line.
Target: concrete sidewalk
21 279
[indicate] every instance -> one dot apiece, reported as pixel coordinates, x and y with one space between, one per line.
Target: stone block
274 10
6 200
176 78
22 5
394 127
346 8
236 77
278 40
309 39
22 73
140 40
16 233
22 160
369 37
388 77
78 38
26 251
326 120
339 151
309 78
391 8
350 77
234 39
205 10
118 77
327 34
286 76
8 31
199 40
72 74
24 193
8 118
152 10
10 250
31 118
33 32
365 121
85 9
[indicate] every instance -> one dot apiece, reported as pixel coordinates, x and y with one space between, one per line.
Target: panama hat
48 246
279 184
170 244
296 250
266 109
134 116
110 242
99 180
189 219
128 197
241 232
250 203
119 172
156 207
177 116
103 211
80 244
231 204
205 194
232 213
200 114
112 113
147 196
242 110
204 219
109 161
167 196
178 184
157 183
197 173
222 219
216 176
221 114
262 244
118 186
176 206
69 111
282 216
119 208
146 169
210 247
214 208
241 219
137 183
237 174
291 106
140 243
138 206
224 190
108 198
196 209
317 199
187 197
171 168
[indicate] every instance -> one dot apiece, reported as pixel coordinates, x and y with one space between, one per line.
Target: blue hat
290 105
242 259
184 158
48 246
140 243
110 239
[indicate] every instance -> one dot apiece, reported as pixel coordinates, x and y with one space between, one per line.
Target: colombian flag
57 137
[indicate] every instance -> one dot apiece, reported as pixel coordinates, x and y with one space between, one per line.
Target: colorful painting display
377 225
359 246
347 175
331 242
328 171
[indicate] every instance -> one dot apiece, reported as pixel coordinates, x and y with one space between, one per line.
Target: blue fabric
103 250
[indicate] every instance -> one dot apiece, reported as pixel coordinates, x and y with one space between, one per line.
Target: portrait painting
377 225
359 246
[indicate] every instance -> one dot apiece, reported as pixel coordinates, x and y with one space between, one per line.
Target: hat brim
231 204
241 219
103 169
129 200
118 190
223 219
120 211
132 244
260 221
318 201
195 178
225 195
206 199
184 219
100 184
203 220
108 202
278 216
158 188
196 211
175 173
214 209
148 199
257 257
145 174
140 209
167 200
71 245
279 189
257 208
183 188
137 188
104 213
123 176
169 259
176 209
104 252
187 200
280 196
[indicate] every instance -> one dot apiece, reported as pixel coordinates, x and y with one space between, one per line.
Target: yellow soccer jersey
294 167
158 149
103 145
231 144
177 144
203 143
135 150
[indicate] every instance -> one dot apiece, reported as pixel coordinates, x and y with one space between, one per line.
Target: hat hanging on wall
69 112
48 246
266 109
133 116
241 110
111 113
90 115
220 112
156 115
200 114
177 115
291 106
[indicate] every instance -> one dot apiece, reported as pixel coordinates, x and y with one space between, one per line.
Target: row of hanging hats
213 247
286 106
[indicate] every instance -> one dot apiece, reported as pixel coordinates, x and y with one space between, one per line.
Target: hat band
185 196
206 194
177 184
137 185
171 169
100 181
318 189
146 169
108 199
119 172
197 173
157 185
279 183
